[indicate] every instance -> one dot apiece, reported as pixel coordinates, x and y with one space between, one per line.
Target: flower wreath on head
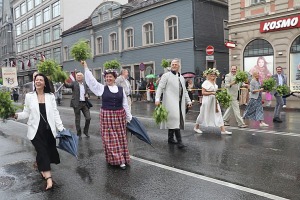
211 71
110 71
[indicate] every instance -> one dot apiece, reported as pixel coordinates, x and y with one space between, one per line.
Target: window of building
128 38
113 42
258 47
30 23
171 29
66 53
17 12
18 29
295 48
31 42
18 44
56 9
29 4
24 44
148 34
46 13
47 37
23 26
257 1
99 45
23 8
37 2
38 19
38 39
47 54
56 32
56 54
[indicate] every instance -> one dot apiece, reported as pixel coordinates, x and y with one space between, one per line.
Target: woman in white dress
210 112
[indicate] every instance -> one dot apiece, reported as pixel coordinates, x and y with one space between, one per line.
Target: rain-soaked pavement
253 163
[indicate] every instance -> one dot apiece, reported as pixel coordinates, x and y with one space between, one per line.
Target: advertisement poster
9 75
295 72
264 65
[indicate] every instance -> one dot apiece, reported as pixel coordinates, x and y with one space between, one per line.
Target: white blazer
32 112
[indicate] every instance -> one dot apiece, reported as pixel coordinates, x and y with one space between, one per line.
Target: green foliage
165 63
269 84
51 69
283 90
59 75
241 77
81 51
48 67
112 64
224 98
7 108
160 114
1 81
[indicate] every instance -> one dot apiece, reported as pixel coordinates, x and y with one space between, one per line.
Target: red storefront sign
280 24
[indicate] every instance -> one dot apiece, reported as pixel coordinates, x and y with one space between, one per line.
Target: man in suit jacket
280 80
125 84
78 102
233 89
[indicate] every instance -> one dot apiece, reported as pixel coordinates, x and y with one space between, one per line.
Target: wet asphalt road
253 163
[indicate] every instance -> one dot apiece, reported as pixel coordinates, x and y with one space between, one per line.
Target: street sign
209 57
230 44
210 50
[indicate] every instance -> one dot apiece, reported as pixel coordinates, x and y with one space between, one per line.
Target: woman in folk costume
175 97
114 115
210 111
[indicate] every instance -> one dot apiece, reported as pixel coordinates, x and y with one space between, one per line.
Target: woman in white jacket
43 121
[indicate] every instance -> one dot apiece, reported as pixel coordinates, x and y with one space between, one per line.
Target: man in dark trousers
78 102
280 80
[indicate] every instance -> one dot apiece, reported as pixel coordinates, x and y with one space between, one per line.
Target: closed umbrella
137 128
68 142
188 74
151 76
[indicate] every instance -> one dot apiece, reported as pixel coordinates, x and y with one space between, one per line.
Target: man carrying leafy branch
175 99
233 89
280 80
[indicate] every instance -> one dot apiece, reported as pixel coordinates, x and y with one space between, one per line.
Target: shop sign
280 24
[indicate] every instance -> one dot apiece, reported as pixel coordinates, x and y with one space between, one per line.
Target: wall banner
295 72
9 75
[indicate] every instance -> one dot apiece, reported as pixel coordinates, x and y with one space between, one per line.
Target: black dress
45 144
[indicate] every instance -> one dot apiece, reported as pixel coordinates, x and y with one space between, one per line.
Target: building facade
142 33
266 34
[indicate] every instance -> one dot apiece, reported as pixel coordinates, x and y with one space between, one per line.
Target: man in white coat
175 98
233 89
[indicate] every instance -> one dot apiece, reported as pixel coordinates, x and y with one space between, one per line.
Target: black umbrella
68 142
137 128
188 75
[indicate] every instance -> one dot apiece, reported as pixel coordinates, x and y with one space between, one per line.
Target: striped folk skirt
254 109
113 133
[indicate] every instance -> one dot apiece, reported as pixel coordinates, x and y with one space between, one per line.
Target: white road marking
212 180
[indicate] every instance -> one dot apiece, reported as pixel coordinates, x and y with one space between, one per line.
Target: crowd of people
171 90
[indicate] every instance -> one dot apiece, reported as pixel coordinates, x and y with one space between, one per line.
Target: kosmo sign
280 24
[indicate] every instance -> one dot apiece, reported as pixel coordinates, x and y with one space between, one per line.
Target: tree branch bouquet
283 90
112 64
165 63
81 51
160 114
241 77
59 75
269 84
7 108
48 67
223 98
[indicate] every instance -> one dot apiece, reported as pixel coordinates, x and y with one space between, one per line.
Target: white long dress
208 115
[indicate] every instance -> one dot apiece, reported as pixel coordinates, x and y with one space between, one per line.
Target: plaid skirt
254 109
113 133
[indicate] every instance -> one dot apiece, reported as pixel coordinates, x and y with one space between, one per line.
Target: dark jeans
86 112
